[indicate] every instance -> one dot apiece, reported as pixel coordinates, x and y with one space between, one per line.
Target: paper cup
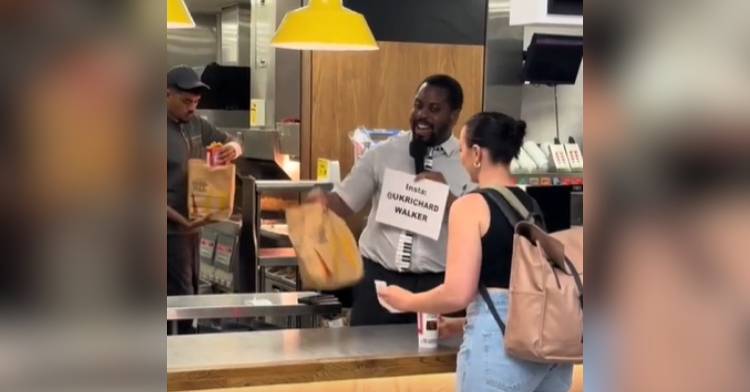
427 330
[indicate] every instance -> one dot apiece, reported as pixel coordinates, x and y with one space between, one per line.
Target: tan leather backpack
545 314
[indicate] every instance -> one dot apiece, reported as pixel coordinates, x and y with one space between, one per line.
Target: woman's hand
397 297
451 327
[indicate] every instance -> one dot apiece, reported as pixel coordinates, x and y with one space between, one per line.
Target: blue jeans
483 365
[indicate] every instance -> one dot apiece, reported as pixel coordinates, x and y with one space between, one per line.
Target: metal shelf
549 179
203 307
277 257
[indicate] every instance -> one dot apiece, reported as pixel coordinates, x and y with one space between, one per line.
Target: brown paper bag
327 252
210 190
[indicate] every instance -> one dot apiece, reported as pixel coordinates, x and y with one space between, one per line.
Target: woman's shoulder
471 210
472 202
479 199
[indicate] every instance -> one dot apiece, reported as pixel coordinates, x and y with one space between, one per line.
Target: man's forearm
176 216
231 139
337 205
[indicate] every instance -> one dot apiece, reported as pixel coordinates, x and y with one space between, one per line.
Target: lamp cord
557 111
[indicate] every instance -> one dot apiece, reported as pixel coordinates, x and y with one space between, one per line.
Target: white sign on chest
417 207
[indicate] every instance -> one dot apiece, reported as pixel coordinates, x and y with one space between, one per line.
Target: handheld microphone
418 151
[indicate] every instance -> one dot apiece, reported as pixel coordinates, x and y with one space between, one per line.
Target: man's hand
439 178
330 201
317 196
432 176
196 224
176 217
228 154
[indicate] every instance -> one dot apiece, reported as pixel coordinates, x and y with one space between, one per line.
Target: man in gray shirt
187 137
430 152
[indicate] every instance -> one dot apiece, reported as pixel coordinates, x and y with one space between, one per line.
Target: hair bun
500 134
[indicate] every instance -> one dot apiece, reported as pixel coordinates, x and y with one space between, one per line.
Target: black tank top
497 244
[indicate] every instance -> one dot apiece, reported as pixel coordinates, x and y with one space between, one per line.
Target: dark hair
500 134
451 86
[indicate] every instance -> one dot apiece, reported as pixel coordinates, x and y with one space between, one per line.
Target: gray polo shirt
379 242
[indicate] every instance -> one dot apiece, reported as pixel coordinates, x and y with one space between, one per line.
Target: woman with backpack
480 249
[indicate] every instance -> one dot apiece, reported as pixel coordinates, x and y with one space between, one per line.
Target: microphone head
418 151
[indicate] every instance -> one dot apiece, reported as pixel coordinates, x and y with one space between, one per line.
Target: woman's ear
477 153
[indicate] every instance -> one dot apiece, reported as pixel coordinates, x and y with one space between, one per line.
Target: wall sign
417 207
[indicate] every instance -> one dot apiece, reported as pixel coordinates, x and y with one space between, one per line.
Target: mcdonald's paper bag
327 252
210 190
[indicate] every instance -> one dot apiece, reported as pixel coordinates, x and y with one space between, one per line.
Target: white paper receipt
338 323
415 207
379 285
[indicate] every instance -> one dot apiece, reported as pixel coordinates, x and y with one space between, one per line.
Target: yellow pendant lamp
178 16
324 25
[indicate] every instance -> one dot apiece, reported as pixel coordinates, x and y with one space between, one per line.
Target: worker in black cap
187 137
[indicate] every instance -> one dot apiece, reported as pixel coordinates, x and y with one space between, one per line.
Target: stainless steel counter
235 360
279 348
204 307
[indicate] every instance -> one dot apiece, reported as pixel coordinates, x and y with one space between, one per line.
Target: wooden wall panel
377 89
306 117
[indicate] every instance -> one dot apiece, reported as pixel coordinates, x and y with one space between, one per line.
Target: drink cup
427 330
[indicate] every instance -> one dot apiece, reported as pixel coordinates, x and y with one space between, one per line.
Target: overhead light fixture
178 16
324 25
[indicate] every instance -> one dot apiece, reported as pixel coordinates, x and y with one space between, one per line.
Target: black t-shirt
497 244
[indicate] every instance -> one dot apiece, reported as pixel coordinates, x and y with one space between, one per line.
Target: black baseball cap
185 78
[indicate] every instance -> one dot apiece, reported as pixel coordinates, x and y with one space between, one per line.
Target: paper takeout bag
210 190
326 249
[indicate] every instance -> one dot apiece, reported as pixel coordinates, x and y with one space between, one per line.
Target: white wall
538 108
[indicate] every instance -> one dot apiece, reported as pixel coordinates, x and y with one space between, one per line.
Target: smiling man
429 151
188 136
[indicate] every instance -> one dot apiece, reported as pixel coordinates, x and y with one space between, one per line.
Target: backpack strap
515 212
515 203
485 293
512 207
